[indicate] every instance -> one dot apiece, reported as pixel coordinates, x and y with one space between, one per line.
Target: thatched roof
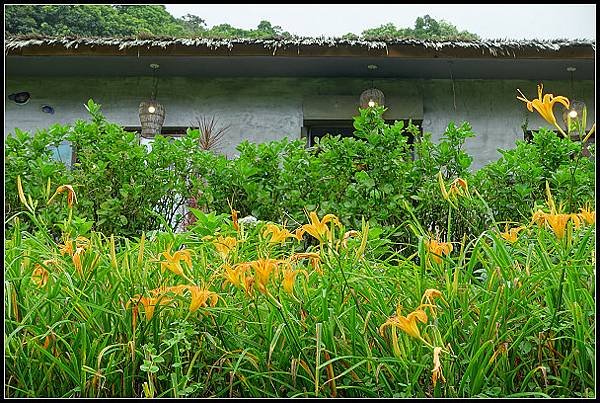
15 45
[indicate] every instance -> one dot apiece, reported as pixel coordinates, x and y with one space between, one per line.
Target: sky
514 21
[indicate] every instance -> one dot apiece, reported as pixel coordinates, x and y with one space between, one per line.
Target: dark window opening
314 129
167 131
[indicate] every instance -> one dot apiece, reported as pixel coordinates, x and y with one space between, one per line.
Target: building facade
266 91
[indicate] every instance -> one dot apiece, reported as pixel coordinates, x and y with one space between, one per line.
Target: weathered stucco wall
261 110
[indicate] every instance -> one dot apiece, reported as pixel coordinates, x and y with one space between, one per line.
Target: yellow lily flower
511 235
263 268
437 248
428 299
201 297
235 276
278 235
587 215
545 105
225 245
407 324
313 258
459 187
539 217
173 261
437 366
558 223
149 303
77 260
299 234
318 228
289 277
71 196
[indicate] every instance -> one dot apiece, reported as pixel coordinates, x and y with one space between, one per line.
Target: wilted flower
436 372
71 196
313 258
39 276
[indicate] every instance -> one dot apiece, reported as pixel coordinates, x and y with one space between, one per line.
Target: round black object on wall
48 109
20 98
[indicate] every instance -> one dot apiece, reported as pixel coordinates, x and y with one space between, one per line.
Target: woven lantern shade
152 117
372 95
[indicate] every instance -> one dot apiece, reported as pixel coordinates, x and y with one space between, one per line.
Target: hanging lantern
152 117
152 113
372 97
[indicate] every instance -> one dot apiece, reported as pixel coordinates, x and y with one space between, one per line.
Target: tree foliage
155 20
425 28
121 20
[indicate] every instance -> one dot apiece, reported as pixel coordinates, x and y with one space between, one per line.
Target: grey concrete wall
261 110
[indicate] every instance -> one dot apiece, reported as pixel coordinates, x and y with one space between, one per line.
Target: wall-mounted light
20 98
152 113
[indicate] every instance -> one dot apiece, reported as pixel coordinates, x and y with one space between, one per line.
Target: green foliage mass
155 20
121 20
425 28
377 175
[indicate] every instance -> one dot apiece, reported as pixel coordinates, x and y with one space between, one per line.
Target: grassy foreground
229 309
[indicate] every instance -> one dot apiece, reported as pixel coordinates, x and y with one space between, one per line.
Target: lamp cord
154 84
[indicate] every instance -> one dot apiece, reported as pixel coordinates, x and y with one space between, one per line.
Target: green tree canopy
155 20
425 28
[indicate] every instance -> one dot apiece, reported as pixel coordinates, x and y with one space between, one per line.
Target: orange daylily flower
150 303
289 277
539 217
459 187
558 223
278 235
225 245
173 261
407 324
234 219
587 215
437 248
511 234
313 258
545 105
263 268
318 228
201 297
235 275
